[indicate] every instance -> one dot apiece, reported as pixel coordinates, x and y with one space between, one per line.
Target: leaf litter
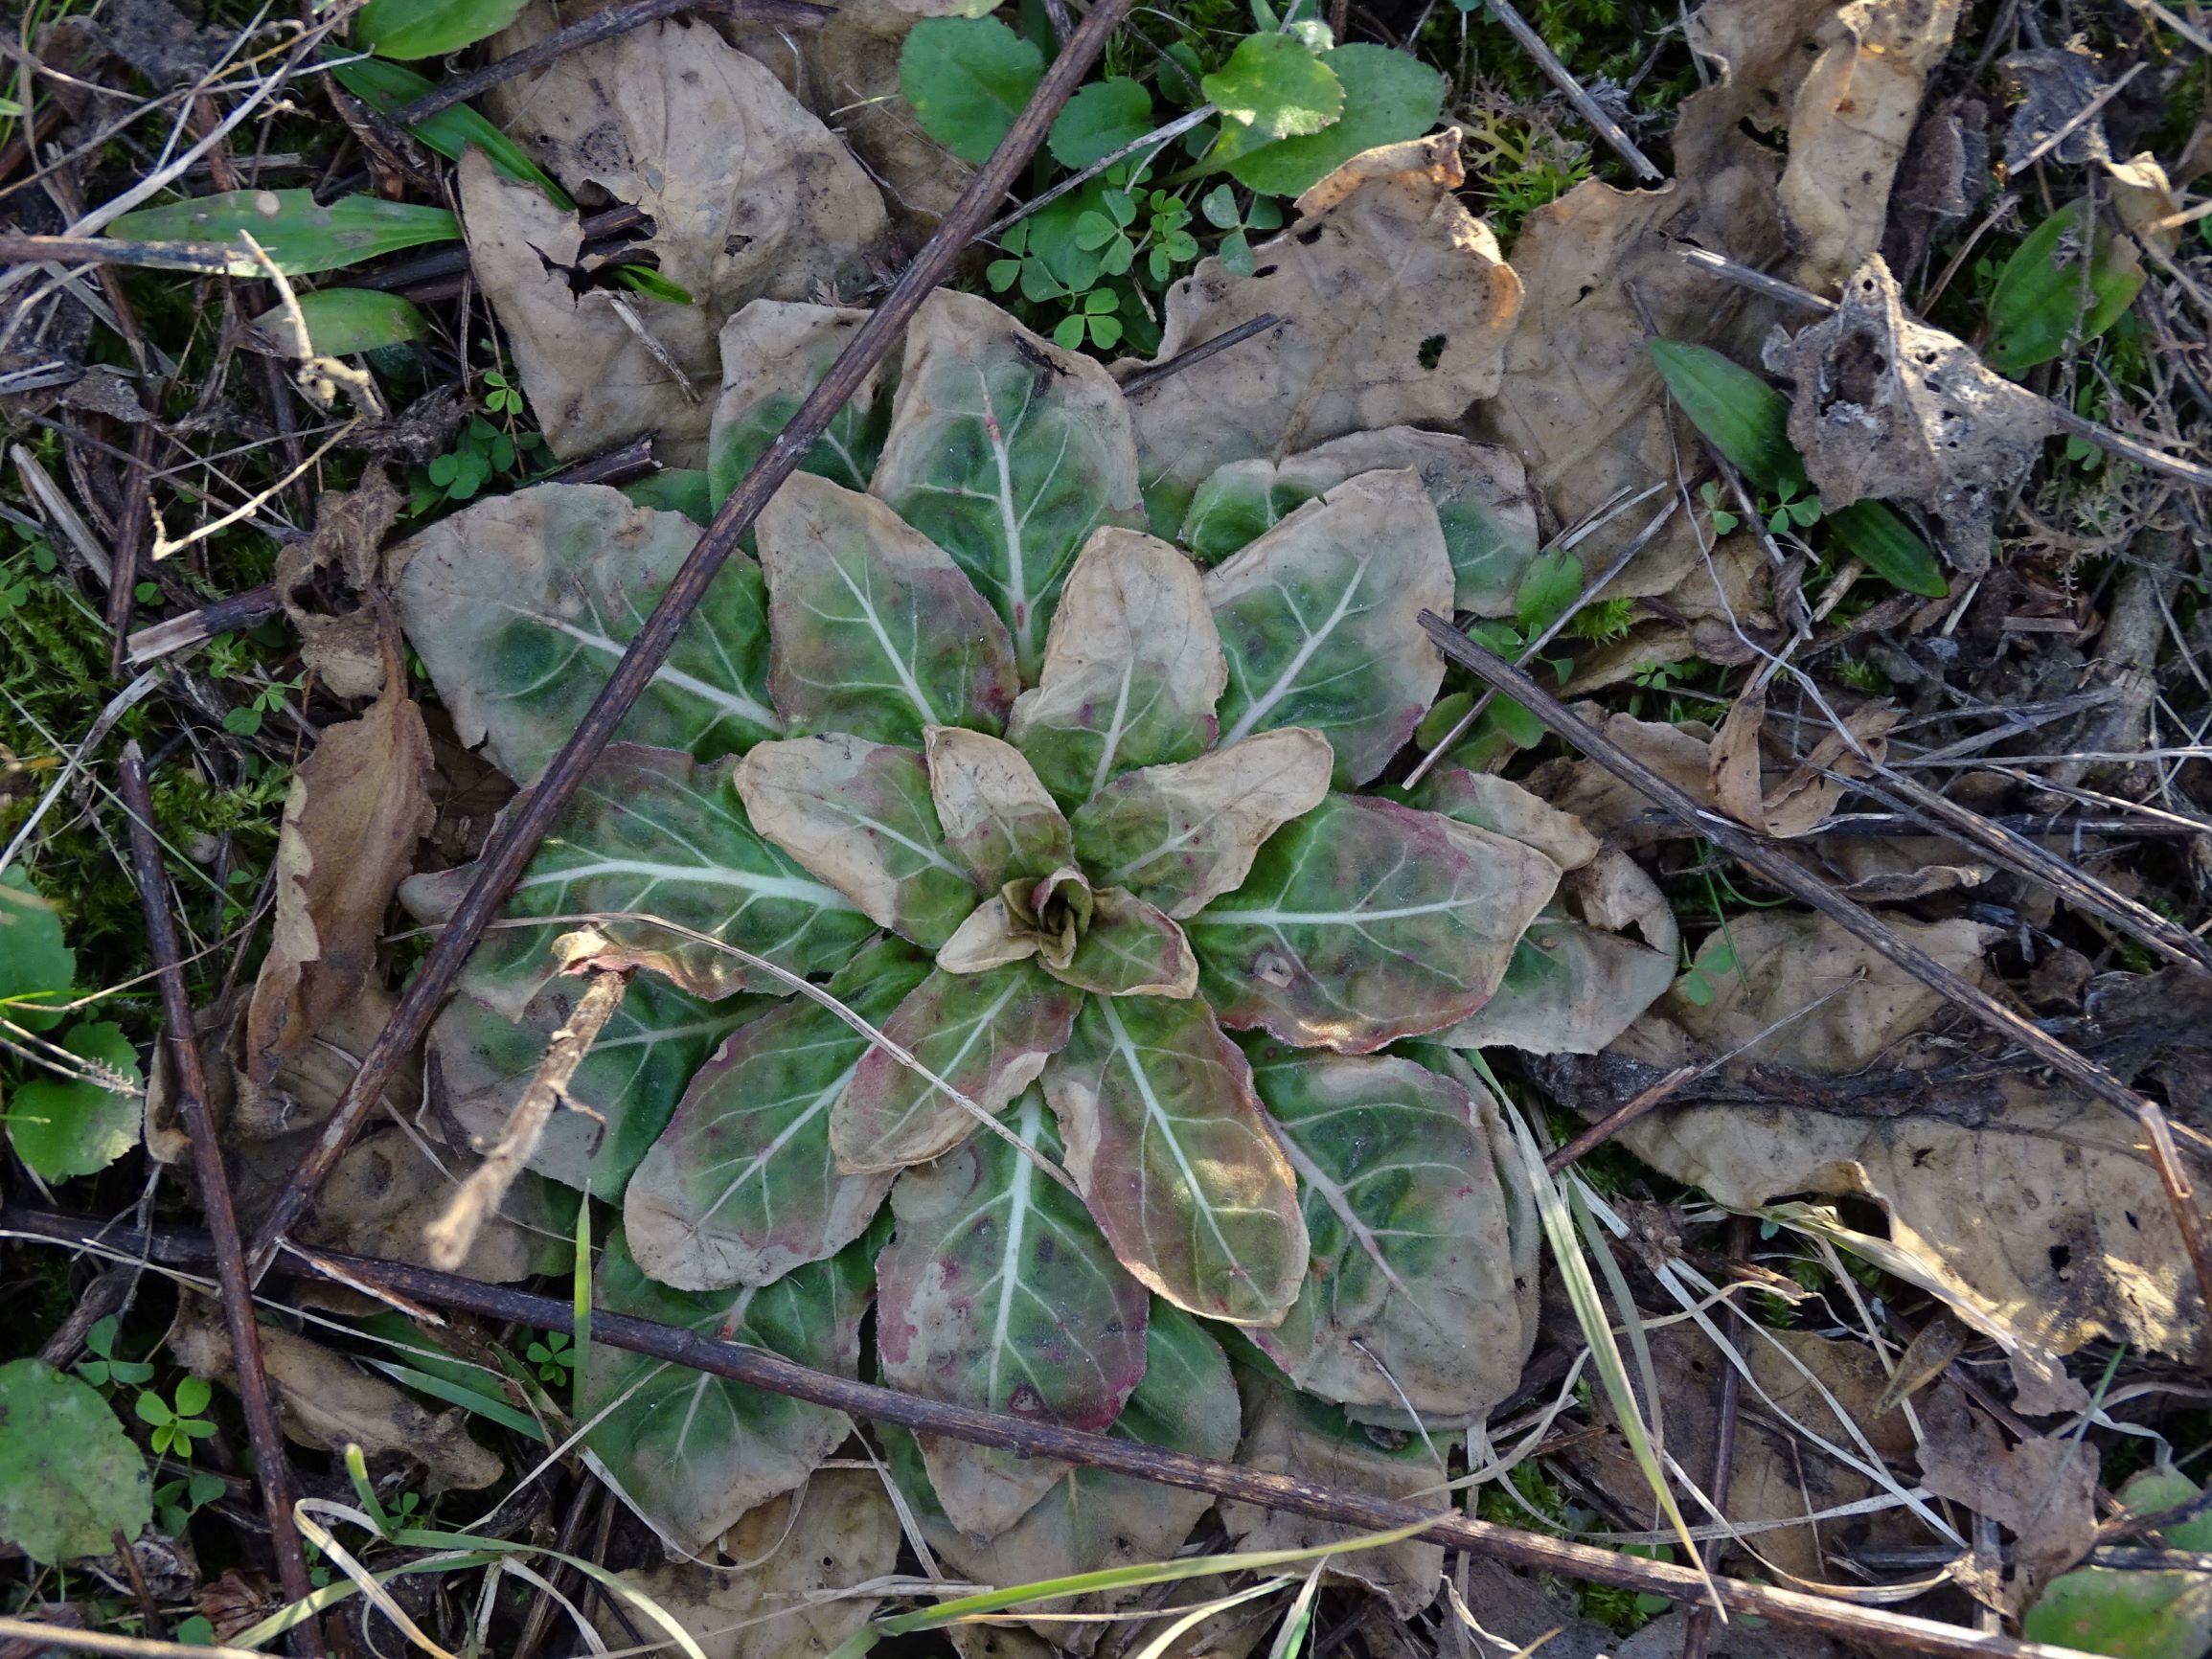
1058 729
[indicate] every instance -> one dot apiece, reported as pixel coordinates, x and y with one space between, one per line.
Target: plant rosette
1076 827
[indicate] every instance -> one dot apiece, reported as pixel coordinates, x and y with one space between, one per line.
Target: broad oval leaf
521 605
1133 669
996 814
1320 622
1130 948
1005 451
1569 989
70 1477
774 352
986 1034
2035 308
1273 86
1365 922
409 29
968 77
1737 413
876 631
691 1452
1166 1139
1481 490
859 815
1090 1519
652 833
1411 1299
999 1291
1099 119
628 1085
37 968
298 233
341 322
1180 836
1388 97
66 1126
743 1187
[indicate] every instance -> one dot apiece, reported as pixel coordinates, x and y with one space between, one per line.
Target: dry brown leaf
344 648
780 1600
853 81
1786 962
2041 1491
593 382
324 1401
1395 305
750 195
356 807
1288 1433
1801 801
1848 128
1610 808
1886 406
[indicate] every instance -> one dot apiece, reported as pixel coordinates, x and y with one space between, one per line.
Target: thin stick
2062 417
271 1465
1562 77
209 258
453 1235
1620 1118
761 1368
1159 137
602 26
1199 353
1861 924
130 537
510 852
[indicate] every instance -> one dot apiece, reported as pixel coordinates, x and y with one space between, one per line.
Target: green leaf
988 1034
859 815
996 817
2036 304
774 354
1277 88
1744 418
1178 836
1871 532
694 1452
1412 1299
2133 1615
343 321
69 1476
1320 621
300 236
1132 671
652 833
1388 97
628 1085
876 631
1007 452
968 77
521 605
66 1127
683 490
742 1186
1365 922
387 88
1187 1401
1165 1138
1549 590
37 967
999 1291
1099 119
412 29
1569 989
1130 948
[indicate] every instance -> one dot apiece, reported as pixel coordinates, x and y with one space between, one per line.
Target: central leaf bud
1056 912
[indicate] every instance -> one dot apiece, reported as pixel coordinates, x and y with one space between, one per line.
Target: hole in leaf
1432 350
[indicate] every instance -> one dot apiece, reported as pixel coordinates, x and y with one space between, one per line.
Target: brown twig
131 535
1861 924
510 851
1620 1118
602 26
453 1235
1199 353
242 610
271 1463
761 1368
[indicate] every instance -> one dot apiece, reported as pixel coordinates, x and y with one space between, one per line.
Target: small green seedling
175 1426
1702 983
553 1355
104 1371
176 1502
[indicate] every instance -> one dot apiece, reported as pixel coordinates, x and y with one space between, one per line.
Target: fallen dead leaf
357 808
1889 408
1393 303
853 81
1611 810
795 1556
2043 1491
344 648
326 1401
1803 798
